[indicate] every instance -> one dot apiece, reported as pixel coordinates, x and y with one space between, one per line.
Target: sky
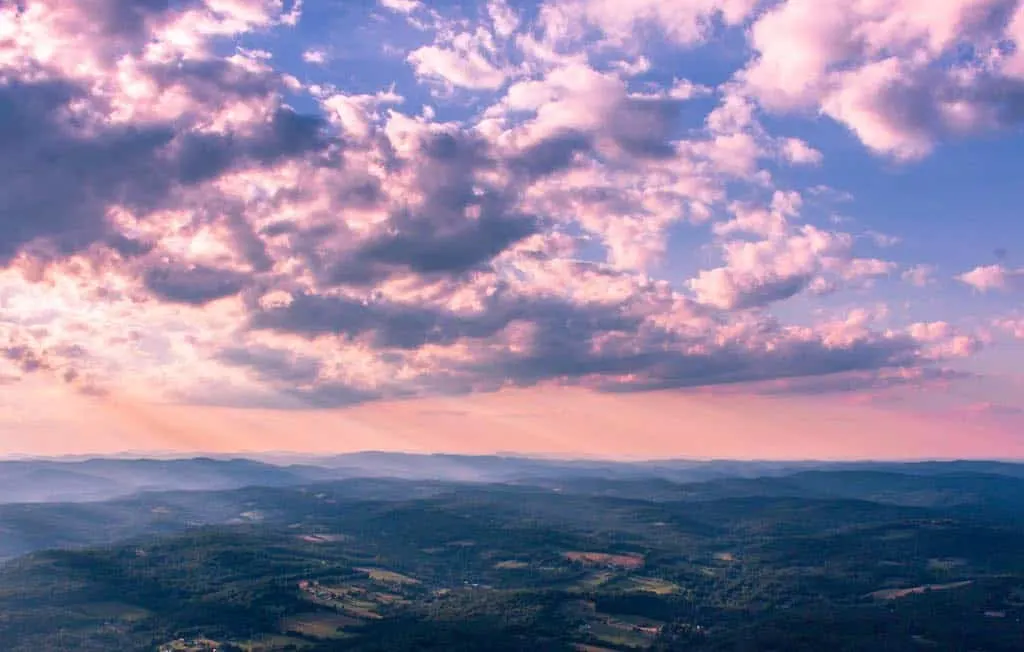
775 229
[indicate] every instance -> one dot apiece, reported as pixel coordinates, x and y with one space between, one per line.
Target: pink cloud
798 152
682 21
919 275
788 261
467 67
882 69
1013 326
401 6
992 277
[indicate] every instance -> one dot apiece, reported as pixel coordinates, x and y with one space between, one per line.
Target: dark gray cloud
770 290
129 17
415 243
458 227
193 284
200 157
563 343
564 335
128 247
328 395
25 358
57 184
735 364
292 377
276 365
551 154
915 106
563 348
59 176
391 325
863 380
61 363
212 82
123 24
58 180
247 242
659 359
404 326
643 126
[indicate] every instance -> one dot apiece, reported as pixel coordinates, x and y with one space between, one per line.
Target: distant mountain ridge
171 496
103 479
97 479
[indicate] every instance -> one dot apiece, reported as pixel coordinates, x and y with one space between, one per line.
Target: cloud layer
195 219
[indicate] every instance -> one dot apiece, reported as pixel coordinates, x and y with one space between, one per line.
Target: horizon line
168 455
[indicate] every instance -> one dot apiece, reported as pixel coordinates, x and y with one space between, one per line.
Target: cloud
883 240
1013 326
448 222
580 100
608 159
993 277
414 244
790 358
401 6
413 326
503 17
898 78
474 59
172 223
61 363
766 221
940 340
315 56
193 284
919 275
798 152
686 22
91 38
876 382
120 126
67 177
788 260
466 67
274 363
57 184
